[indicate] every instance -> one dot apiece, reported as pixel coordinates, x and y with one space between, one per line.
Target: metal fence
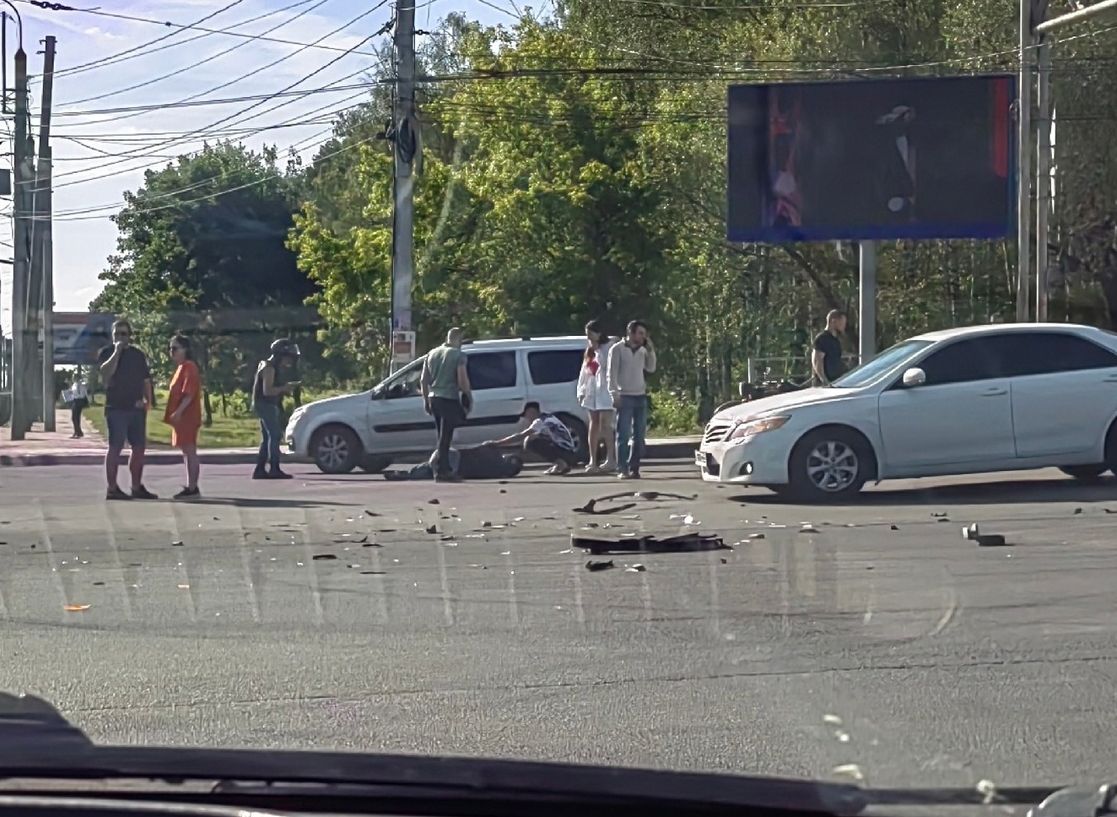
795 369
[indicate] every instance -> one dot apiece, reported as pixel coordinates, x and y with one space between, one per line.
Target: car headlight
296 415
750 428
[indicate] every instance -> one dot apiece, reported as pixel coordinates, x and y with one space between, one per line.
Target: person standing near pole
447 396
826 355
628 363
78 398
268 389
128 397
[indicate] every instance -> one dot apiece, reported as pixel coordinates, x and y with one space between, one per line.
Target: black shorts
127 425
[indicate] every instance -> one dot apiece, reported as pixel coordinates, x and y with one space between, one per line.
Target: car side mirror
914 377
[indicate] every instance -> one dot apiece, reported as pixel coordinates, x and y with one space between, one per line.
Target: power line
200 132
183 26
219 193
117 204
130 54
96 63
198 63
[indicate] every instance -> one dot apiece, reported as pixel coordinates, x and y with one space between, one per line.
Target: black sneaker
447 478
140 492
116 493
188 493
277 474
259 473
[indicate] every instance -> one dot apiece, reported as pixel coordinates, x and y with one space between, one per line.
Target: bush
672 414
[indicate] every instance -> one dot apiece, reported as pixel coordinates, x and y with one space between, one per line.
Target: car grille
716 432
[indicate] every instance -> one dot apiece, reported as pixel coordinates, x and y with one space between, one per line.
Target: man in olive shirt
826 357
128 396
447 396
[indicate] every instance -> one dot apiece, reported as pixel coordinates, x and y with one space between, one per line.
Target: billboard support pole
867 301
1043 176
1023 161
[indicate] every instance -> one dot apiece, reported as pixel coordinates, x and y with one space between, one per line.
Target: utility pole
1024 161
404 136
1043 175
21 408
44 247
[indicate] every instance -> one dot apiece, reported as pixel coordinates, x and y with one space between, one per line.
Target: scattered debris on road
635 568
76 608
632 543
322 557
808 528
177 543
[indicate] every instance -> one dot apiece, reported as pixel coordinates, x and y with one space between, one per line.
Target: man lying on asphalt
547 437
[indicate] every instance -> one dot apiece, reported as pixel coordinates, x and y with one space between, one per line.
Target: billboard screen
79 336
872 159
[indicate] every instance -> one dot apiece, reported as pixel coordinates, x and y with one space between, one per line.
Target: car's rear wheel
336 449
1085 473
375 463
829 464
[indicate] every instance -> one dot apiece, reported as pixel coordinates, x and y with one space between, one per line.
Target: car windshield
621 526
880 365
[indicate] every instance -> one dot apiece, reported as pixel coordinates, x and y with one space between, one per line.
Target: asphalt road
883 641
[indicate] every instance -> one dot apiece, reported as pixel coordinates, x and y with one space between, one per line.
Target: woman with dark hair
594 397
184 412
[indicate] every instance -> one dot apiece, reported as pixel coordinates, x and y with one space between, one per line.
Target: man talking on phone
628 363
128 397
268 389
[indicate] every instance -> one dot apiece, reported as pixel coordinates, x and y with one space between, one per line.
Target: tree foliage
573 167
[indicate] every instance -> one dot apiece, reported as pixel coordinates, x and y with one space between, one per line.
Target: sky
94 161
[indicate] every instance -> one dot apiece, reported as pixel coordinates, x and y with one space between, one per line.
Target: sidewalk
56 448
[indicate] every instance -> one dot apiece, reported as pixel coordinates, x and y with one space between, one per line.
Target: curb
667 450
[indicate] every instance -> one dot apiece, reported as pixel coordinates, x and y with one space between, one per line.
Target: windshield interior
881 364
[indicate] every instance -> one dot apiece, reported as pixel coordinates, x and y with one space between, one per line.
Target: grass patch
226 432
240 429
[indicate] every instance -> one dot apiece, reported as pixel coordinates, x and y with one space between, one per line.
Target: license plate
699 459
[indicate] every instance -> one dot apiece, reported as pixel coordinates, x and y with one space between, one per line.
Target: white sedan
1003 397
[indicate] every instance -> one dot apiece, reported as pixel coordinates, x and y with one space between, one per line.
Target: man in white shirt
545 436
628 363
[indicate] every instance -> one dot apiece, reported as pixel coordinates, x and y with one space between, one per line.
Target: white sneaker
624 475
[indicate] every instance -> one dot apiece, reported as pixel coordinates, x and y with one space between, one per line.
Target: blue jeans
632 429
271 427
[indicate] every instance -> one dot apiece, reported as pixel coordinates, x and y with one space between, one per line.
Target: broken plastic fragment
833 720
636 568
76 608
593 566
851 770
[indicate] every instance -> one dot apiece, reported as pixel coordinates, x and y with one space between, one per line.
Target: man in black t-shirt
128 396
826 356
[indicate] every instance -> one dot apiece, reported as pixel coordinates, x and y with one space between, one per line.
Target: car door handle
994 392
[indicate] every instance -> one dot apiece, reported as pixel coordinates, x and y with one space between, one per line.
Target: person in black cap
547 437
268 388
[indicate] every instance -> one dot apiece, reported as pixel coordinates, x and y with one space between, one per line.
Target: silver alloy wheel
333 450
832 466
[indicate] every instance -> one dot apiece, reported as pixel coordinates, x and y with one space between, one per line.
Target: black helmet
284 347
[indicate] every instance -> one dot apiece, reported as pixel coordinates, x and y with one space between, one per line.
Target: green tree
202 249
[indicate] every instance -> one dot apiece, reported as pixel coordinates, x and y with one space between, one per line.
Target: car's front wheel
336 449
829 464
1085 473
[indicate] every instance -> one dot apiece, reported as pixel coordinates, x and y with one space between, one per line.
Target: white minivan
371 429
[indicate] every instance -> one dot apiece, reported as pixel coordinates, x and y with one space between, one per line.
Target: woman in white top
594 397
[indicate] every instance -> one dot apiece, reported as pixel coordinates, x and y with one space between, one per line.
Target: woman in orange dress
184 412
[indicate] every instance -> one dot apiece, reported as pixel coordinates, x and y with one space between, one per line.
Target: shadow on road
977 493
261 502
